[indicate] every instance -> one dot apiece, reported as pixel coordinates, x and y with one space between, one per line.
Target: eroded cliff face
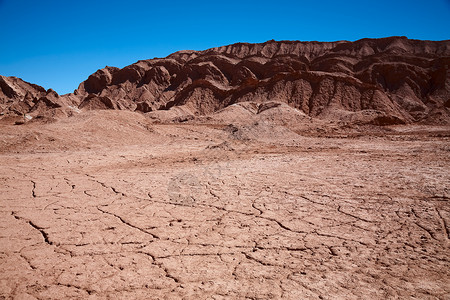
20 98
396 79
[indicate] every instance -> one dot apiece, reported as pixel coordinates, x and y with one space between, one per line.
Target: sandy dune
107 205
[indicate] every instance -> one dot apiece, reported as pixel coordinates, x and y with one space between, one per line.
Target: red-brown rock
401 80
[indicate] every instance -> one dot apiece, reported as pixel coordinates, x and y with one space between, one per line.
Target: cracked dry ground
320 218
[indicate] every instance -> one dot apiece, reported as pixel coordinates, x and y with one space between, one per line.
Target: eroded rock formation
395 79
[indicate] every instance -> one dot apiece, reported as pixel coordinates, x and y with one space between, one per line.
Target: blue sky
58 44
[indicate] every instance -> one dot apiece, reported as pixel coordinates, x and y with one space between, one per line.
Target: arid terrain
282 170
100 207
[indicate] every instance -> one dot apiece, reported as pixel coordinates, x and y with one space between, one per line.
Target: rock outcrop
20 98
395 80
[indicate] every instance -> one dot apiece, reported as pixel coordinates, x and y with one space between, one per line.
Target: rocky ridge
392 80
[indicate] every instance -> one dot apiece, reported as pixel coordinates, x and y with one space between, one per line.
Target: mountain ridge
402 80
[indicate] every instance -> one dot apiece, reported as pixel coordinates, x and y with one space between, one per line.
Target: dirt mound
175 114
91 129
396 80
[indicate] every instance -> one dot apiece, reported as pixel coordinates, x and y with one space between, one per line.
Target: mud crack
128 223
38 228
33 191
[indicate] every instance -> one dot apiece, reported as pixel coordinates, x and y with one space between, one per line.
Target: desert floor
100 208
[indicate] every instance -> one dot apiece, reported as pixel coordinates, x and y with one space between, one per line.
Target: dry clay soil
110 206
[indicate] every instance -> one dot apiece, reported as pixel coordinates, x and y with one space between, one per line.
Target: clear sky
58 44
